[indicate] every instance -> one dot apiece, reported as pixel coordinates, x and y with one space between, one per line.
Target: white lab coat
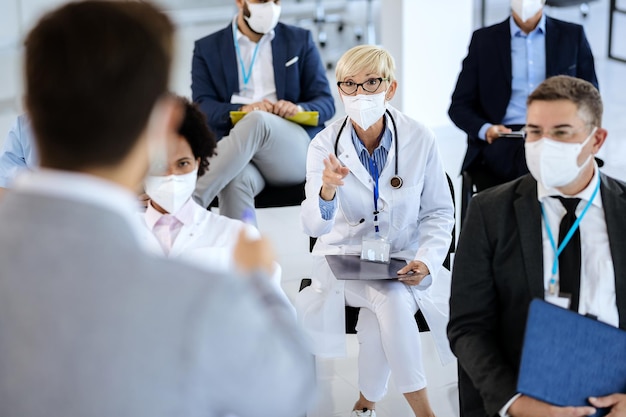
417 218
208 243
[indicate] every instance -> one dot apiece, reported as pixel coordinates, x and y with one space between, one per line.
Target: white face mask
171 191
365 109
526 9
263 16
554 163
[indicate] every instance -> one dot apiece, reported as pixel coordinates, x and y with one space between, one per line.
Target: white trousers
260 148
389 340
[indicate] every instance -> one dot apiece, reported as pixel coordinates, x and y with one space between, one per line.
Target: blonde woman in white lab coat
176 226
415 215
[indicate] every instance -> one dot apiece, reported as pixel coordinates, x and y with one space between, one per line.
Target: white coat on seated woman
417 218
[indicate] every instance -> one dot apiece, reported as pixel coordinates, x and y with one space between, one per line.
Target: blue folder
568 358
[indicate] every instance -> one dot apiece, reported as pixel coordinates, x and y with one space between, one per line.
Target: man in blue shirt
504 64
18 152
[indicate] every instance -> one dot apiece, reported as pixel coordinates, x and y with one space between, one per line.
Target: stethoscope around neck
396 180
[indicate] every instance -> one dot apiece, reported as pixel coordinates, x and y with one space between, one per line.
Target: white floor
338 377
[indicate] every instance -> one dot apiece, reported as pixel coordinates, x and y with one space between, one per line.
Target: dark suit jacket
214 76
498 269
483 89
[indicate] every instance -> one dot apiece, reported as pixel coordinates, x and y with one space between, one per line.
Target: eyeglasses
370 86
558 133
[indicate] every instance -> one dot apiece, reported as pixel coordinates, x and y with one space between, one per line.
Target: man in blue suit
273 71
504 64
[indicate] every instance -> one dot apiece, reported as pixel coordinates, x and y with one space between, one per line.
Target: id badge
562 300
375 249
237 99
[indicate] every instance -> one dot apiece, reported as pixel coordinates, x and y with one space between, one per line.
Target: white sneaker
365 413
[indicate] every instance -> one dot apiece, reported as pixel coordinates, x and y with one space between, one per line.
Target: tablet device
512 135
351 267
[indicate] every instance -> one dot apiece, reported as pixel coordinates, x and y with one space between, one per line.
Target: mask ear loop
582 145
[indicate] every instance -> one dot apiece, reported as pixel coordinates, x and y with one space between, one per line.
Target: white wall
428 40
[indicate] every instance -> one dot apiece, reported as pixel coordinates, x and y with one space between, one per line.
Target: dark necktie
569 260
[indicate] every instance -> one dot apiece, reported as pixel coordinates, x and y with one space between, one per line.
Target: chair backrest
276 196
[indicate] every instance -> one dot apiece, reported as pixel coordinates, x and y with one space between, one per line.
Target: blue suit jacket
214 76
483 89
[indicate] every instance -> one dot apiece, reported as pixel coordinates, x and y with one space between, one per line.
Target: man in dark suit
505 256
505 62
90 323
274 71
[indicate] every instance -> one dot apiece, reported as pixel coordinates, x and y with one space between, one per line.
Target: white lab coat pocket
405 206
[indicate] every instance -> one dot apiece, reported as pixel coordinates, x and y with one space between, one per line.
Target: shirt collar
83 188
543 193
185 214
517 31
269 35
385 142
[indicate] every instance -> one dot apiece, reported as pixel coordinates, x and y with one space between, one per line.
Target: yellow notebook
307 118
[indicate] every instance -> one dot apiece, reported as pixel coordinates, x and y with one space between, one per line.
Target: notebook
306 118
567 358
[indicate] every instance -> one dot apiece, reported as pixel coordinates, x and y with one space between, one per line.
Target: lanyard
375 175
552 285
244 75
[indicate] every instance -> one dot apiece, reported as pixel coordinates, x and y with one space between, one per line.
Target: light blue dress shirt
18 151
328 208
528 65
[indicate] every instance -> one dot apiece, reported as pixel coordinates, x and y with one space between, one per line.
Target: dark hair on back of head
196 130
94 71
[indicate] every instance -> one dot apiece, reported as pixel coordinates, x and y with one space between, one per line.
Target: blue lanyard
375 175
568 236
244 75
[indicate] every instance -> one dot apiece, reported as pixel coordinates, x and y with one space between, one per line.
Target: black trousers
501 161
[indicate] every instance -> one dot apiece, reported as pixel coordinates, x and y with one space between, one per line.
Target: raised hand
332 177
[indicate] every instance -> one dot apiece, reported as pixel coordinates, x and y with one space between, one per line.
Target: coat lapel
552 47
230 62
614 203
528 216
346 153
279 54
503 50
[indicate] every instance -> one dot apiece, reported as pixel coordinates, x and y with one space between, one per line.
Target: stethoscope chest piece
396 181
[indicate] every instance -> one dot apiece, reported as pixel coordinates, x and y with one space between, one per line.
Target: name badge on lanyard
553 294
375 248
245 75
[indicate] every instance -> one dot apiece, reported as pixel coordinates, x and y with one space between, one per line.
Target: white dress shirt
597 276
261 84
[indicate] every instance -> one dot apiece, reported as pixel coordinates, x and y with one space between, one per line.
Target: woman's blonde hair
370 58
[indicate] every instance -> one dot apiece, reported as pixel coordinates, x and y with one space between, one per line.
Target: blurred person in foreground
90 324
